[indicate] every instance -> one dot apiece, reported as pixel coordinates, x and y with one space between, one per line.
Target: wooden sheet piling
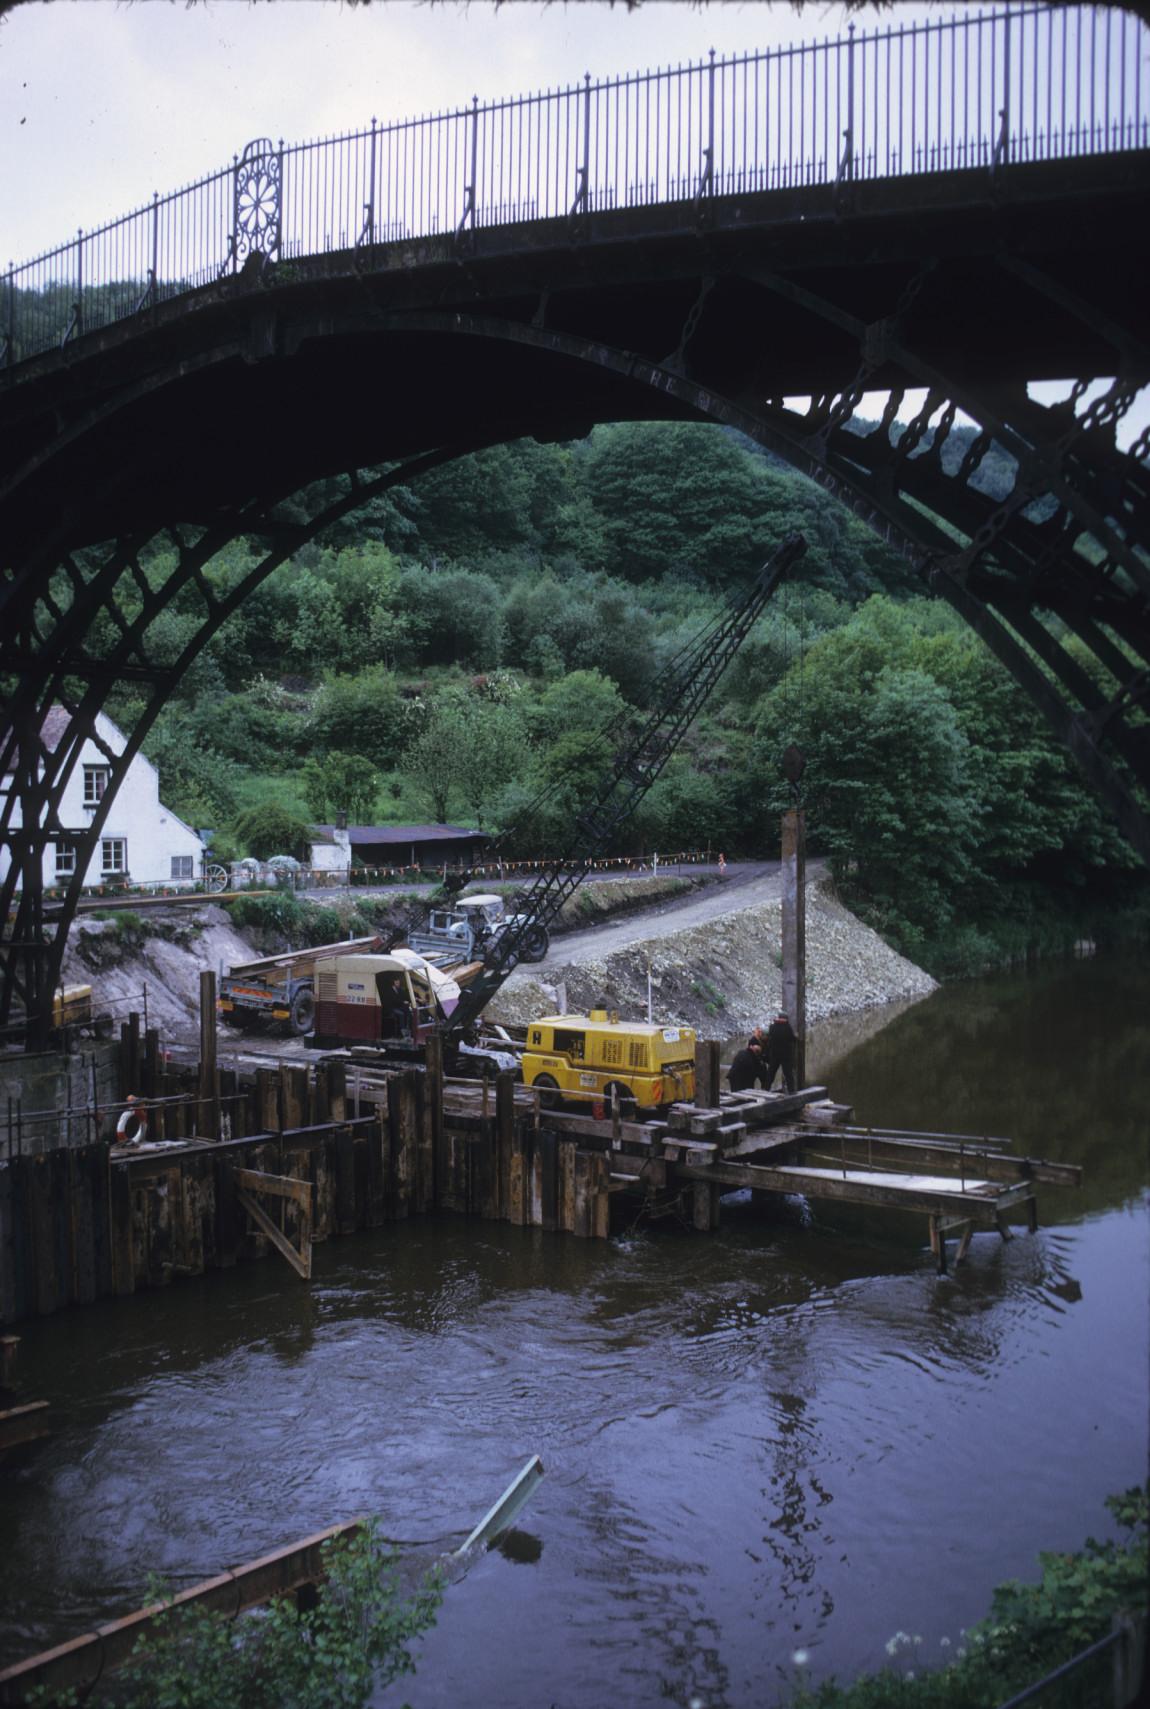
708 1084
794 932
208 1115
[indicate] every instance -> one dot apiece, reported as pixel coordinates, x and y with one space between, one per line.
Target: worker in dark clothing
781 1042
746 1067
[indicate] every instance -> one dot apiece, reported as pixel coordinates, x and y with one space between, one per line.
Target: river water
792 1436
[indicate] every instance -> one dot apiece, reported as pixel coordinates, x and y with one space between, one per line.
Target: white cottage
142 842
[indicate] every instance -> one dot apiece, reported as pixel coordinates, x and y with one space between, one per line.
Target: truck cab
394 999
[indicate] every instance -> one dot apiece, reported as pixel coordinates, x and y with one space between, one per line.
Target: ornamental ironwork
258 202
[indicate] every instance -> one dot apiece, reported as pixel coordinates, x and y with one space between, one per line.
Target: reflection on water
779 1437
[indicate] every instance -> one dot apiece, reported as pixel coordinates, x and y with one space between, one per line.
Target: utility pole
794 911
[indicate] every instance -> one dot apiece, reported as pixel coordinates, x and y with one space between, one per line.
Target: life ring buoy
132 1127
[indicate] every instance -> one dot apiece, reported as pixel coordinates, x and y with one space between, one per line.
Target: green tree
490 754
361 713
354 1641
340 783
889 782
271 830
431 760
196 781
581 701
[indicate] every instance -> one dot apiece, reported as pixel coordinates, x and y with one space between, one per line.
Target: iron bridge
810 244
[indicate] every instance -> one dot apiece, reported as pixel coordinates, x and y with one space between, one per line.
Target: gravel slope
716 964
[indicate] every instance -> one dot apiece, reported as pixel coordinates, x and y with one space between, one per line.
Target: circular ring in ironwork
257 200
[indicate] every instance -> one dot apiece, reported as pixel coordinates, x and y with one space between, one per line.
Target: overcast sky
103 102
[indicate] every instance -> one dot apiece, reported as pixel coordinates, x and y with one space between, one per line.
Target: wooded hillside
449 650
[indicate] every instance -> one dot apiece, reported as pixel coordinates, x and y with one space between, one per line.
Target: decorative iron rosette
258 201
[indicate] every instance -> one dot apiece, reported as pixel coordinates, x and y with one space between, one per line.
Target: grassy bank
1031 1630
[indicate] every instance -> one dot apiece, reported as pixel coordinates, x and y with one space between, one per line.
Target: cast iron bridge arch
945 212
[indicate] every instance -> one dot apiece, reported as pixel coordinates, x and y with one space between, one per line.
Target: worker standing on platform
781 1042
746 1067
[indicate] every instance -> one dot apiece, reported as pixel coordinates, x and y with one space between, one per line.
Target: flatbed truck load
281 988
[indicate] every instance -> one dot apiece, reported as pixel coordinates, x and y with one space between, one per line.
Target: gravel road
745 888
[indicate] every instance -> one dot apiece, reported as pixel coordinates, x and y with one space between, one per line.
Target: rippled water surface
791 1435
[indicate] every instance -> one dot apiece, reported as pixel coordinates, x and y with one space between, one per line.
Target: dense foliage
1032 1629
334 1655
451 651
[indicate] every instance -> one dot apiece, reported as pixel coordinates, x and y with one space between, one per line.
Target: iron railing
976 91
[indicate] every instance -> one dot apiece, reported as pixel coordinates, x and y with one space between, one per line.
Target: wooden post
345 1207
504 1137
437 1186
601 1196
9 1349
337 1090
534 1217
321 1097
566 1186
208 1115
134 1049
423 1181
708 1087
515 1209
401 1102
705 1206
151 1076
268 1094
227 1222
294 1095
794 923
378 1144
581 1222
120 1219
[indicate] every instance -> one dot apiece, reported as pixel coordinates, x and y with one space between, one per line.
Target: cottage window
113 854
96 778
183 866
65 858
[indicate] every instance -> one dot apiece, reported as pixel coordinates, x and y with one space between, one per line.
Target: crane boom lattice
639 746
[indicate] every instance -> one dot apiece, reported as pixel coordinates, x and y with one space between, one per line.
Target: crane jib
645 752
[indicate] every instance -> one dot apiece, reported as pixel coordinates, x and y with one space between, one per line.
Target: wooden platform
237 1169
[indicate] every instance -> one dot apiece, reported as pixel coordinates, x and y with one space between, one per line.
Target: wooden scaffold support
285 1189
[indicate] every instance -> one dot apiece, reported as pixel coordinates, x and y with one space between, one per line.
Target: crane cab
380 999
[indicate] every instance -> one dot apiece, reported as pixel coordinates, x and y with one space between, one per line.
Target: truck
464 930
281 988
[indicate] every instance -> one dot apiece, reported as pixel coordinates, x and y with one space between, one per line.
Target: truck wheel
536 943
302 1012
549 1098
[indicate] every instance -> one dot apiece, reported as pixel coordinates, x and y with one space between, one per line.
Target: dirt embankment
163 955
715 960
